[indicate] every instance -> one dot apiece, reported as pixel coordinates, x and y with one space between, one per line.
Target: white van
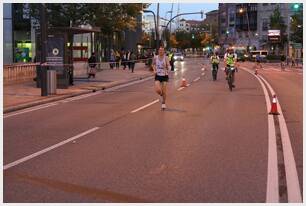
262 54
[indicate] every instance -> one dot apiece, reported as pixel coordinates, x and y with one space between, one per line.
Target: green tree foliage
277 22
296 27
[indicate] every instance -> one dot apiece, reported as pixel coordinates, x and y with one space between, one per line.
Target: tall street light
156 30
201 12
43 40
241 11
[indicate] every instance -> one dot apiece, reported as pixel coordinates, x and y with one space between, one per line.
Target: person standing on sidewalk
128 55
132 61
112 59
161 70
123 59
117 59
92 65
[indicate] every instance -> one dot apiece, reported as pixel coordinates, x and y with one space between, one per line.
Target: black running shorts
162 78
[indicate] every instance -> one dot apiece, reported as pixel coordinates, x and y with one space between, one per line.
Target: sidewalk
24 95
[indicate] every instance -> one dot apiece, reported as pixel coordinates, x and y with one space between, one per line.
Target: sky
184 7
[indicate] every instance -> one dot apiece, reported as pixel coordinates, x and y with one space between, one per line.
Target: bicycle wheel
230 81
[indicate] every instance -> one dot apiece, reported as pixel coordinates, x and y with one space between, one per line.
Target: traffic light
296 7
192 36
202 14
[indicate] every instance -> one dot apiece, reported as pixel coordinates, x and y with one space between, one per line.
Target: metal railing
15 73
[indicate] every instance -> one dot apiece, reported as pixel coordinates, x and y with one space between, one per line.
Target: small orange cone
184 83
274 106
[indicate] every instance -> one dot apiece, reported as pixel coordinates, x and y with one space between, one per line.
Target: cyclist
161 70
230 59
214 59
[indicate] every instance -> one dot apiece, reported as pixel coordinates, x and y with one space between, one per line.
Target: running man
161 70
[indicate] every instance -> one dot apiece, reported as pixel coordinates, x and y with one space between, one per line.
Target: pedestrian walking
92 65
292 61
283 59
132 61
161 70
214 59
258 61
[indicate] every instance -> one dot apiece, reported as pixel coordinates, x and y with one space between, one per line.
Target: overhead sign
274 36
273 32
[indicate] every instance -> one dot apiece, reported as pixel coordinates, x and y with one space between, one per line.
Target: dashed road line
36 154
145 106
196 79
30 110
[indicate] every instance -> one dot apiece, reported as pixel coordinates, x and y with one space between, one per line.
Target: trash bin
51 81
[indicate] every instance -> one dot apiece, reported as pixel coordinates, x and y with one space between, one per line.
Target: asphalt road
209 145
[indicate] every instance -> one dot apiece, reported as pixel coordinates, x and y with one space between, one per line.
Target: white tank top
161 67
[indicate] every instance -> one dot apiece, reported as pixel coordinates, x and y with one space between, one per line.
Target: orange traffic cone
274 106
184 83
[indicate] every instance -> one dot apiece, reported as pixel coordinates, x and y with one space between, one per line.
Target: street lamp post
156 30
241 10
43 40
201 12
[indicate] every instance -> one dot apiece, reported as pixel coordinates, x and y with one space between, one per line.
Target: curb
93 88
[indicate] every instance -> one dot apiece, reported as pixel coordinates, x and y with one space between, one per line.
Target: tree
297 27
173 42
277 22
206 40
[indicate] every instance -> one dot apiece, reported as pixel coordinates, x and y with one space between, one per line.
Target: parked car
178 57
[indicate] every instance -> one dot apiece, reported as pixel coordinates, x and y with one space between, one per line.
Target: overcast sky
184 7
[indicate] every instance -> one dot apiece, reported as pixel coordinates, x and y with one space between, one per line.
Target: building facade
247 25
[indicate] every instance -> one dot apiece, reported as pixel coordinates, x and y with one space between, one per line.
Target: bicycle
230 77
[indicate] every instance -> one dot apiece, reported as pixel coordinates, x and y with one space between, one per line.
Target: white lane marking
30 110
203 69
196 79
128 84
293 186
203 74
181 88
73 98
24 159
188 85
81 97
272 194
145 106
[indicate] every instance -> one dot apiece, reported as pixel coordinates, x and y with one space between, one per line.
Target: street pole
155 24
43 39
247 14
201 12
157 28
288 34
171 17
